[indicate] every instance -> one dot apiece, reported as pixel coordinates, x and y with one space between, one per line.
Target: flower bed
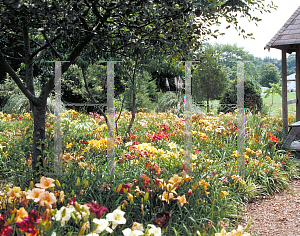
150 193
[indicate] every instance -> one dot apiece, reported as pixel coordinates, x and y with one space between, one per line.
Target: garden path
275 215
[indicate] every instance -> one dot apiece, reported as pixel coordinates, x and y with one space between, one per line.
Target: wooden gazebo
287 40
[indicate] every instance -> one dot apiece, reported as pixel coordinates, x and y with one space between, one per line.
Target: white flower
53 234
155 231
137 226
129 232
116 217
93 234
102 225
64 214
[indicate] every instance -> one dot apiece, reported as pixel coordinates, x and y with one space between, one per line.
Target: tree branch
14 58
51 46
17 80
44 46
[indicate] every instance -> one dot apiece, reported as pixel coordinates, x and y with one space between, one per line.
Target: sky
263 33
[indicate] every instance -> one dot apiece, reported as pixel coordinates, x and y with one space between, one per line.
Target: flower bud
119 188
78 182
61 196
57 183
31 185
146 196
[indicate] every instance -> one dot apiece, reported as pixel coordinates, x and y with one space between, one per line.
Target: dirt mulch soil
276 215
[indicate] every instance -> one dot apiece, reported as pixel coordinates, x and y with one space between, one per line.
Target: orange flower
171 188
34 194
45 183
166 196
21 213
48 198
82 164
181 200
187 177
175 179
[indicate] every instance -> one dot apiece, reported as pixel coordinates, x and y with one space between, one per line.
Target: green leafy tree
275 89
209 81
252 97
268 74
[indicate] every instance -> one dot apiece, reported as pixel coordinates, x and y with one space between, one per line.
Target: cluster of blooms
272 137
238 232
239 178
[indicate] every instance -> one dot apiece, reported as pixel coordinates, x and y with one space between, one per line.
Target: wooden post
297 82
284 95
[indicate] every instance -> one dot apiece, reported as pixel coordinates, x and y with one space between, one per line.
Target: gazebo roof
288 35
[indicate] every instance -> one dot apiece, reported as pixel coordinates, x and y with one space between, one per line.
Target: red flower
190 192
4 229
97 209
29 222
146 179
125 187
162 219
72 202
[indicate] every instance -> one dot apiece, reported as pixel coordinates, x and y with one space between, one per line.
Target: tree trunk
207 104
39 118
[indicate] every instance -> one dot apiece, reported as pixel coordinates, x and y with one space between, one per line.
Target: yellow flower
234 154
223 194
181 200
222 233
21 213
202 181
166 196
187 177
170 188
175 179
129 196
69 145
172 145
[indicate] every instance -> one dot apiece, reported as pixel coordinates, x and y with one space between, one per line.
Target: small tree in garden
275 89
252 97
209 80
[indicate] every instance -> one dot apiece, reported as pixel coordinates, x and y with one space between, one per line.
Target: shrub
252 97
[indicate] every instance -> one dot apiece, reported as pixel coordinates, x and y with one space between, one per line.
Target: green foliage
268 74
145 92
252 97
208 80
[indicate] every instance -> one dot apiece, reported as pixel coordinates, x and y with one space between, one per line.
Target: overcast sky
263 33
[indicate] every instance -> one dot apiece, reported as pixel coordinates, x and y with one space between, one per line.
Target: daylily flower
47 197
155 231
97 209
129 232
14 192
34 194
137 226
162 219
166 196
181 200
102 225
64 214
146 180
45 183
21 213
175 179
116 217
29 222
